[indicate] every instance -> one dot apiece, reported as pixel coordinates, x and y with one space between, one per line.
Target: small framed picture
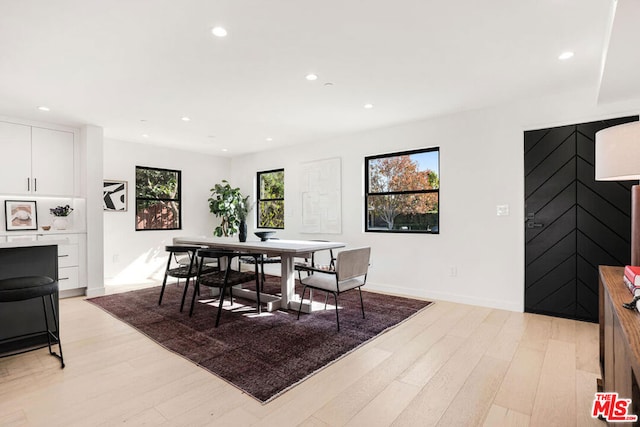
114 196
20 215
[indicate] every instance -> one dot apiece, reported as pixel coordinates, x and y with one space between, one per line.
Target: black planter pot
243 231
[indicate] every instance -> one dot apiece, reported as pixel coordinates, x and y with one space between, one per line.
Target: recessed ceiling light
225 150
368 106
43 108
311 77
268 139
328 84
186 119
144 135
219 32
565 55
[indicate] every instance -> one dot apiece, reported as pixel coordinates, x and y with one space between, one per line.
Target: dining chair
225 277
182 264
351 268
312 261
301 266
262 260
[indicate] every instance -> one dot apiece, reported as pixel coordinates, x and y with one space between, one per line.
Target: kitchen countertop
22 243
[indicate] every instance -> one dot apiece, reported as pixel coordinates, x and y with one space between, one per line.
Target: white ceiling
115 63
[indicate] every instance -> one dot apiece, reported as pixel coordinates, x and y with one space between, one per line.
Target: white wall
92 148
481 166
136 257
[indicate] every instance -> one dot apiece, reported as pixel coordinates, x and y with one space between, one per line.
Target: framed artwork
20 215
114 196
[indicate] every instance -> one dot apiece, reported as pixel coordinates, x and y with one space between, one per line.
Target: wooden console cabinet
619 338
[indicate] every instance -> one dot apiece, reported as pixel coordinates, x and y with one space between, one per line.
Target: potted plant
228 204
61 213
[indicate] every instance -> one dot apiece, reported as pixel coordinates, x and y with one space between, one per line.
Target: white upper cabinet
37 161
15 144
52 162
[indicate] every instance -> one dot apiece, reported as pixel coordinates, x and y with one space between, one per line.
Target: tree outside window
402 192
271 199
158 199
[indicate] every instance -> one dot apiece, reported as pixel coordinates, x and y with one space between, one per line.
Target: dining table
287 250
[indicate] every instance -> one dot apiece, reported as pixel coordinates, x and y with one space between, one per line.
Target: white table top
276 246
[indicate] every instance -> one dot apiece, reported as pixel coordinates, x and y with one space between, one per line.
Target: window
157 199
271 199
402 191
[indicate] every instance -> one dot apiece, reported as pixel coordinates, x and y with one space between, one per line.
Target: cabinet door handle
62 256
35 184
63 278
28 184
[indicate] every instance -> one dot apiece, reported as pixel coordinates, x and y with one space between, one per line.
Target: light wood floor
452 365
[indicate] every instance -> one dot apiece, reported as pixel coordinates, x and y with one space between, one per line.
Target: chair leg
361 303
304 289
164 282
230 295
220 305
46 323
258 291
326 299
196 290
184 294
335 295
262 273
55 320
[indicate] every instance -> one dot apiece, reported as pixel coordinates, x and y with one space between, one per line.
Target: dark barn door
573 223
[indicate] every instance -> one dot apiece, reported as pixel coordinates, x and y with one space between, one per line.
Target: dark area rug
262 355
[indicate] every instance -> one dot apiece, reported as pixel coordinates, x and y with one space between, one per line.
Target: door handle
531 221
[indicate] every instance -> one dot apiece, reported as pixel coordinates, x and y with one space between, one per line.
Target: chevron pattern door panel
573 223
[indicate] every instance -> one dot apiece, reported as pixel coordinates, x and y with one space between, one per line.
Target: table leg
287 280
288 283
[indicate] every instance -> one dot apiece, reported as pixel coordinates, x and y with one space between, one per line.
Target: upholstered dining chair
224 279
304 264
313 262
352 266
182 264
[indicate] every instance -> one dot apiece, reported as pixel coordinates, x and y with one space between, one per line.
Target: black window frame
367 193
162 199
261 200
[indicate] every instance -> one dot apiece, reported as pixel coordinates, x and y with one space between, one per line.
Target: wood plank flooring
451 365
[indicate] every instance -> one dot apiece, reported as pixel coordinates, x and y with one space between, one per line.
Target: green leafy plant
61 210
230 205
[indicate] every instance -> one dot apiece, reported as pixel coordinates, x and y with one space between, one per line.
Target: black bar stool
26 288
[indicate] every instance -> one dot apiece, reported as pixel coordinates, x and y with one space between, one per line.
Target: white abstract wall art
322 196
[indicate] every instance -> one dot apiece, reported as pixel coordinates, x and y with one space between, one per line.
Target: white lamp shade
618 153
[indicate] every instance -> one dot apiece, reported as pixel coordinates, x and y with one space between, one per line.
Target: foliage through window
402 191
157 199
271 199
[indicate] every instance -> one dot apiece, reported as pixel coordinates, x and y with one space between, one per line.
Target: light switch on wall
502 210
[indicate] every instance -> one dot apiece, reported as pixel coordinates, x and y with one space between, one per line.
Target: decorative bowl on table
264 235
